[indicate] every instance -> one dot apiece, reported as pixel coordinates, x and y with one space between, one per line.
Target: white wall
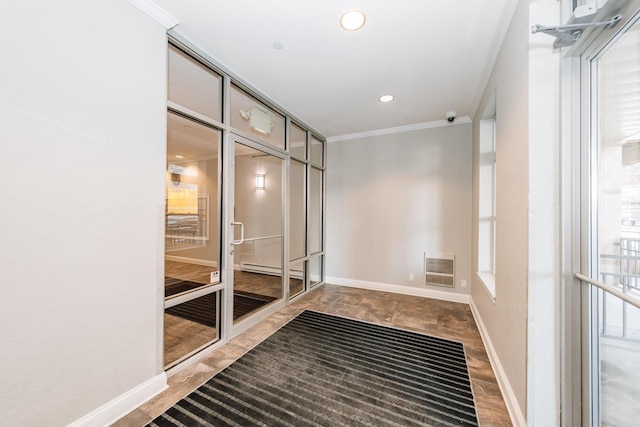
521 327
390 198
543 334
82 152
506 320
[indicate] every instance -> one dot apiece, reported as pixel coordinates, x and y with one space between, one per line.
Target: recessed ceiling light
353 20
178 156
277 45
386 98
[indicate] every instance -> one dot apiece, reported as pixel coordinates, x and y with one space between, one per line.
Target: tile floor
434 317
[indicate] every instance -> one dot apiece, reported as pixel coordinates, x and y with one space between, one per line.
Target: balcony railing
626 281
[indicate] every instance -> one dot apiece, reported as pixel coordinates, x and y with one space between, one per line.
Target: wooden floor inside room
438 318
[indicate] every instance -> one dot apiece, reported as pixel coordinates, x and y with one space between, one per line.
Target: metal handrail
608 288
253 239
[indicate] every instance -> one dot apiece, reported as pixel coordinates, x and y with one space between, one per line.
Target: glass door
257 232
611 325
193 285
192 238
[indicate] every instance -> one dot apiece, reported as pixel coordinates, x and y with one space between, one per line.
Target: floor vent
439 269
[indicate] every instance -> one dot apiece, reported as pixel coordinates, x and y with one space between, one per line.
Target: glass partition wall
244 223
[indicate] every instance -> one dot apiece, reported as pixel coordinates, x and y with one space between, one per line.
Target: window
487 200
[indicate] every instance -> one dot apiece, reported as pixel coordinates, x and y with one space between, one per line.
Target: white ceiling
433 55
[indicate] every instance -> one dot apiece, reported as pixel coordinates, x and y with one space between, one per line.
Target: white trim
515 412
488 280
112 411
399 289
155 12
188 260
399 129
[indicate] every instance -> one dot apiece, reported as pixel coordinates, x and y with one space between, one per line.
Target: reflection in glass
317 151
315 270
296 278
315 206
194 86
297 206
192 230
258 276
252 117
190 326
619 348
618 239
298 142
192 220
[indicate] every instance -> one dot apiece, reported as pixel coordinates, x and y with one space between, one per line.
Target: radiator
250 267
439 269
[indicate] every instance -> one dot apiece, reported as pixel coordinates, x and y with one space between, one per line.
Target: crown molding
399 129
156 13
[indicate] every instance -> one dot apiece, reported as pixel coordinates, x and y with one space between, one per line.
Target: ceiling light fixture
386 98
352 20
178 156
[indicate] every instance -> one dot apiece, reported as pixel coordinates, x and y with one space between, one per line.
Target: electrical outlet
411 277
463 283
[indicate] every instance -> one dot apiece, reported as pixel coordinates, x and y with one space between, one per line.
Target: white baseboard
188 260
515 412
112 411
399 289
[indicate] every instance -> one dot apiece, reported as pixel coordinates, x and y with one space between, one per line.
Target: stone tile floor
434 317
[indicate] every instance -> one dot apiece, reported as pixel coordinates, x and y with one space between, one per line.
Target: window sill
488 281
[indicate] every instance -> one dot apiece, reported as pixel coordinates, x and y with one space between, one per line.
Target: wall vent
439 269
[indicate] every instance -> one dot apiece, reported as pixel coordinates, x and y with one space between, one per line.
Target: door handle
241 241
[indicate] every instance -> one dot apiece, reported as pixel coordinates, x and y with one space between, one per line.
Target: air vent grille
439 269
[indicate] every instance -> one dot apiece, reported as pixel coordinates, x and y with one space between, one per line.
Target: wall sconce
259 182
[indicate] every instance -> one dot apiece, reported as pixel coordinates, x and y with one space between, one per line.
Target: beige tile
132 419
439 318
410 319
490 406
180 385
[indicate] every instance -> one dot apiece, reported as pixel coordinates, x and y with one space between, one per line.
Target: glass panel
315 270
258 276
298 142
194 86
192 226
618 229
251 116
297 206
296 278
192 235
317 151
619 346
315 219
190 326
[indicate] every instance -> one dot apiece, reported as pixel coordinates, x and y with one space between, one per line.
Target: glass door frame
232 330
580 379
230 134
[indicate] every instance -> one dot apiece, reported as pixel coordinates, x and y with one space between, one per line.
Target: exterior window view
617 339
366 213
